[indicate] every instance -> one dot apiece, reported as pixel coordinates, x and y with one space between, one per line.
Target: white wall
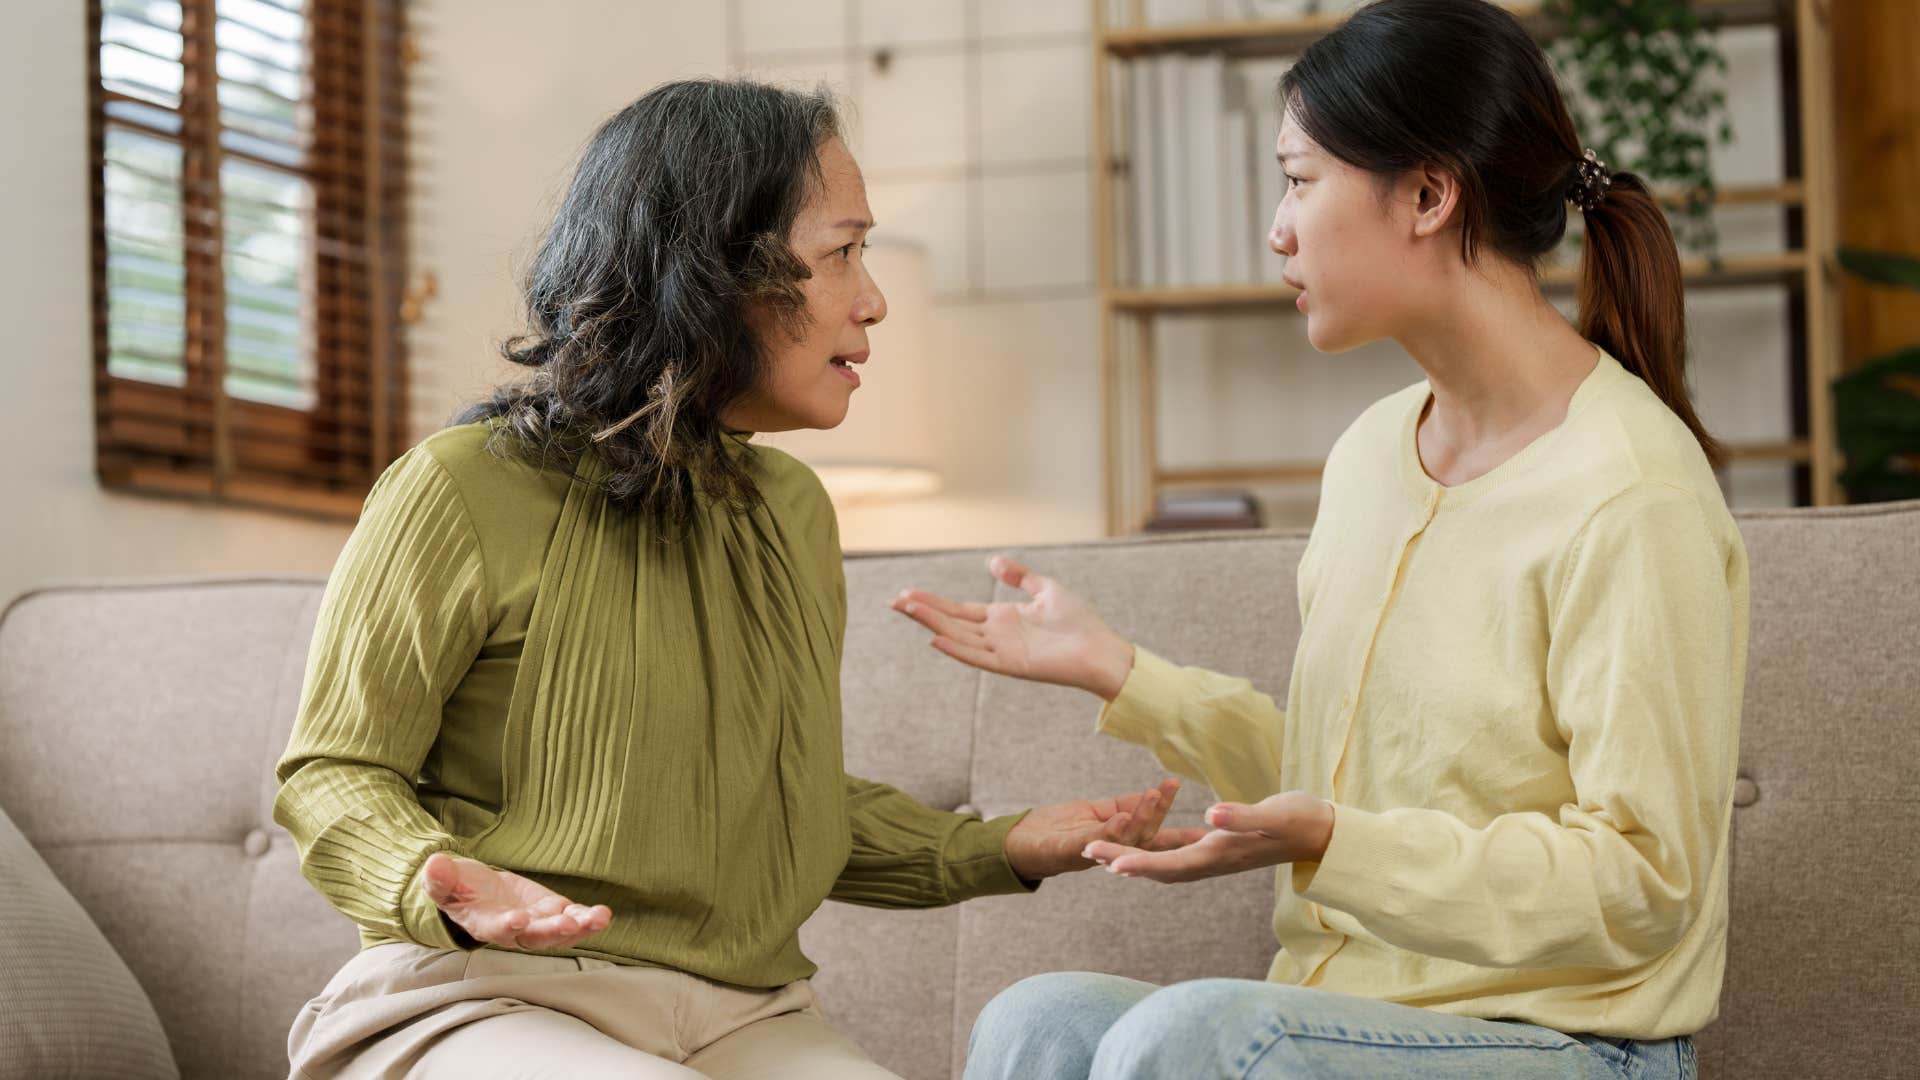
974 141
55 521
504 93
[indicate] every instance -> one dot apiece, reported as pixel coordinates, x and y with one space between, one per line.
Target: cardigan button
1745 791
967 808
256 843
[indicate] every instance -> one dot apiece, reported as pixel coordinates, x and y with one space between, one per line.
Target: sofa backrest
139 723
139 726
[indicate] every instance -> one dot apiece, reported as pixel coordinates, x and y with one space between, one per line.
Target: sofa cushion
1824 919
68 1004
139 724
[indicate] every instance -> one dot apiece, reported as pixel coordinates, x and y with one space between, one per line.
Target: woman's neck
1503 365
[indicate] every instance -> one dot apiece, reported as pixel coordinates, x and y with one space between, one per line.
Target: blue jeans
1071 1025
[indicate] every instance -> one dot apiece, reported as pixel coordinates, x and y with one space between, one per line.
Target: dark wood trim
195 440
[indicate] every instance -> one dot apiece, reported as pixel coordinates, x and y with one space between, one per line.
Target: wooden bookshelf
1736 272
1794 451
1286 37
1135 475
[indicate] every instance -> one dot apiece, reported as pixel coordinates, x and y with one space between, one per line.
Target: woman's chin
1322 336
829 417
1326 337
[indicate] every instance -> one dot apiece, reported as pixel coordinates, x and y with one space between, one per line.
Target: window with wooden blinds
248 258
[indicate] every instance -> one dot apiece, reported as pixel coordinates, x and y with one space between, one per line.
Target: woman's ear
1434 195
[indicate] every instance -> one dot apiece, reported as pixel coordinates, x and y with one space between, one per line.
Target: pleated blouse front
508 667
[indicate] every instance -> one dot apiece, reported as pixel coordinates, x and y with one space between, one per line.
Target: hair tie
1590 182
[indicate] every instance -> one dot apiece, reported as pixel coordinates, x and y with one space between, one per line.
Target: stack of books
1204 183
1192 511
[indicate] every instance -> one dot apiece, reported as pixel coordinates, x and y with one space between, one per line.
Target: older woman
569 746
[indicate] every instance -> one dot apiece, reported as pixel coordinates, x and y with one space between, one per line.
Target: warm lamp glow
851 484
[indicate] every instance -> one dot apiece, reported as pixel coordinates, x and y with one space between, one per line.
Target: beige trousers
402 1010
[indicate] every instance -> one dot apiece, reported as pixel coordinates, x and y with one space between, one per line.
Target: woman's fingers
962 630
1015 575
1135 822
1237 817
1105 851
1163 802
970 654
1168 839
1188 863
953 608
1209 854
519 928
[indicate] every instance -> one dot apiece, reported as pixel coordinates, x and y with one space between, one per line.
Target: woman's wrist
1110 664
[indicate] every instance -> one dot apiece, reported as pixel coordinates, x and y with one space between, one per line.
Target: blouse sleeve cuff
976 860
423 920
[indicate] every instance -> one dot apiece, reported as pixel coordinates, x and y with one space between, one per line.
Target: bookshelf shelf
1731 273
1131 305
1285 37
1795 451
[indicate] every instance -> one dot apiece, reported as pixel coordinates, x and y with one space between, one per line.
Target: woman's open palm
1052 636
502 908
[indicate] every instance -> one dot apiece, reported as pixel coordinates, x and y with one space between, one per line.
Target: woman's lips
844 366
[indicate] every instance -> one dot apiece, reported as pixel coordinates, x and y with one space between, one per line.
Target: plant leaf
1883 267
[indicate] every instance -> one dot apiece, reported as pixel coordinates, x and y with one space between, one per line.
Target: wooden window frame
196 440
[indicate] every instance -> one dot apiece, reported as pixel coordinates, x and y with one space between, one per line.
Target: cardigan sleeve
1202 725
1641 667
402 619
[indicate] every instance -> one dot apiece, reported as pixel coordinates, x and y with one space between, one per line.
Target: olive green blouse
507 667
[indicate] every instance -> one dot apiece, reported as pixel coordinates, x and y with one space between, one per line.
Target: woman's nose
1280 238
871 307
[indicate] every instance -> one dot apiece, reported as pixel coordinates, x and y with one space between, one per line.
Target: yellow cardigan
1522 694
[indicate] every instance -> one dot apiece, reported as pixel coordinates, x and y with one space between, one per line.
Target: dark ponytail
1461 85
1631 300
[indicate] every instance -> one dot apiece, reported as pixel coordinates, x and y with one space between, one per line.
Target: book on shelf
1204 184
1190 511
1185 12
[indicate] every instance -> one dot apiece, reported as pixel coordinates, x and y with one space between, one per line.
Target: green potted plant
1645 99
1876 406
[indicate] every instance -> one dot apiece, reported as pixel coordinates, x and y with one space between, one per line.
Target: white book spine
1146 158
1205 159
1174 243
1269 185
1239 223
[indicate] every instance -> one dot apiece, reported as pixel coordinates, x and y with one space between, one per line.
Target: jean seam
1627 1067
1369 1038
1279 1036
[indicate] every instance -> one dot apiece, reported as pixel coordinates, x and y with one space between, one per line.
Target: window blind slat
257 357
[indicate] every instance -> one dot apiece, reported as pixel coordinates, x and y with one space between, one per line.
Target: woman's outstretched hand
1292 826
1053 839
1052 637
502 908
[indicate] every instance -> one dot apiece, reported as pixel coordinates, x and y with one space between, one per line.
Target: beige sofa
139 723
